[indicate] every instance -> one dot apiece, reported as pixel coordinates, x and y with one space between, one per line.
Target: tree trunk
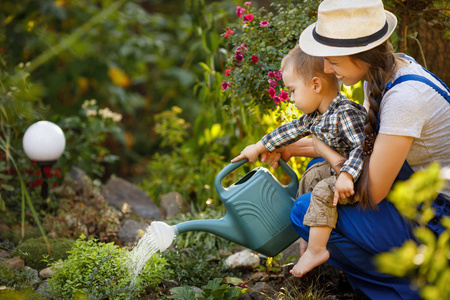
435 47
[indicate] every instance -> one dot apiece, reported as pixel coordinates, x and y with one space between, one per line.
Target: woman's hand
251 152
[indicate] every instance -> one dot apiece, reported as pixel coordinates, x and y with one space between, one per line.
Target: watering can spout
220 227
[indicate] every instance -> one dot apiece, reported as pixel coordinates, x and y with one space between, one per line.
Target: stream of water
141 253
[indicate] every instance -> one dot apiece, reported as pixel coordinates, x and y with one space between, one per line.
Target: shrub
97 270
197 265
425 261
215 289
33 250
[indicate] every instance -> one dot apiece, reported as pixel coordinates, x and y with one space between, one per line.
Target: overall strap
445 94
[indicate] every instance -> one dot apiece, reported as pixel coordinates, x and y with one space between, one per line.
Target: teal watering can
257 212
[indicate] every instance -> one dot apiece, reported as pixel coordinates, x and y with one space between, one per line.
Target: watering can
257 212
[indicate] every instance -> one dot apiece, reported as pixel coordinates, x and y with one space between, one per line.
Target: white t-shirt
415 109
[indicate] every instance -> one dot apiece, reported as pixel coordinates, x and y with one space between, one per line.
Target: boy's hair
306 66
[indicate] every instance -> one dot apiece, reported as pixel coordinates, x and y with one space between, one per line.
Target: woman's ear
316 84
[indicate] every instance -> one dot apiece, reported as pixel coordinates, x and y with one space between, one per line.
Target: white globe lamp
44 142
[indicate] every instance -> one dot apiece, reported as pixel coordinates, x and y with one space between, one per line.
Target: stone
33 274
44 289
78 180
242 259
46 273
15 263
4 253
131 231
259 291
172 204
118 192
292 250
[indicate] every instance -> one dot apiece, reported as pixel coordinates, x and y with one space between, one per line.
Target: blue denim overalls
361 234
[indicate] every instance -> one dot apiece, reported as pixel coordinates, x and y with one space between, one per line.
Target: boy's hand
251 152
343 188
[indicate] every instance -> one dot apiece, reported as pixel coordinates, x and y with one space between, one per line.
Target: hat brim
312 47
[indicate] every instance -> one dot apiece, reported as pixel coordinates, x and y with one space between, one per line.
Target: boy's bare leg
316 253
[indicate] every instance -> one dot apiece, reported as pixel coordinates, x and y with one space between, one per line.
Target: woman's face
348 71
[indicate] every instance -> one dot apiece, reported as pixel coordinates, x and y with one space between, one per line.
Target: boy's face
302 94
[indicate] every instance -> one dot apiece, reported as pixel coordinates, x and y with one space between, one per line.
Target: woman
407 128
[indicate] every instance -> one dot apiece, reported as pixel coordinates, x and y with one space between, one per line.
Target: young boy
336 121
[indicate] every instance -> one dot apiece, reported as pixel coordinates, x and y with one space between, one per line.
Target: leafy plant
214 289
96 270
197 265
425 261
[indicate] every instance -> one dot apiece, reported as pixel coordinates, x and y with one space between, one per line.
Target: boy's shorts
320 181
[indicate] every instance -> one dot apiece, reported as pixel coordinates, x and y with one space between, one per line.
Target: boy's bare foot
309 260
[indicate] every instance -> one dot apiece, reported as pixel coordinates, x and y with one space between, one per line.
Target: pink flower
278 75
239 11
242 47
228 32
227 72
273 83
271 92
276 99
248 18
225 85
247 3
284 96
271 74
264 23
239 57
255 59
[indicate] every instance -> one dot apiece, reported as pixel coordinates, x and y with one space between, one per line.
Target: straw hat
346 27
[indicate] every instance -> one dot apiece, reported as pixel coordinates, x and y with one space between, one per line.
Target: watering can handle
291 188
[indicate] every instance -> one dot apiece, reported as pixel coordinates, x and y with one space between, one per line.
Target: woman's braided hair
381 65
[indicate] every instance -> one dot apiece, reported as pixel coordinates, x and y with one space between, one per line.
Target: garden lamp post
44 142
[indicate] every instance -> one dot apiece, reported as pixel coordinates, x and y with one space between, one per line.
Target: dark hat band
358 42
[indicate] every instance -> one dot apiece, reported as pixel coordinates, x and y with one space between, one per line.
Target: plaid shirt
341 127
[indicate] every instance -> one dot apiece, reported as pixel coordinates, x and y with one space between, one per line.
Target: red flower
272 92
276 99
239 57
271 74
279 75
239 11
225 85
254 59
58 173
248 18
264 23
227 72
284 96
228 32
273 83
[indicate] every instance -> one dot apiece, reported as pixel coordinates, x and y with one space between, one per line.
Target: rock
292 250
15 263
78 180
131 231
242 259
46 273
259 291
44 289
33 274
118 191
173 204
4 253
